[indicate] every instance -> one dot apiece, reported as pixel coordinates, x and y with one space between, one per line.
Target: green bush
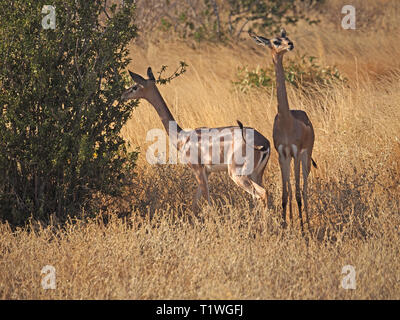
227 20
60 112
302 72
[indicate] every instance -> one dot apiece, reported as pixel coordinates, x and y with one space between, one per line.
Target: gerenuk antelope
242 152
293 133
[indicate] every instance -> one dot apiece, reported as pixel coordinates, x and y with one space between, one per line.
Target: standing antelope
196 146
293 133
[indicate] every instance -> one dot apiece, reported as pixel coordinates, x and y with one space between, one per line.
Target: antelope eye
276 42
134 88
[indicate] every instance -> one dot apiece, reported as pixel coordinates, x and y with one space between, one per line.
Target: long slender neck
283 104
170 125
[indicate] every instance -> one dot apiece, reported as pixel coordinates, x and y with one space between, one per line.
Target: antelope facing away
293 133
203 148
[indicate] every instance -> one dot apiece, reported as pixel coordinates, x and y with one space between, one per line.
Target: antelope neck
165 115
283 104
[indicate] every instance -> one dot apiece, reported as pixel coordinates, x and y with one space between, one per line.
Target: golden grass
237 250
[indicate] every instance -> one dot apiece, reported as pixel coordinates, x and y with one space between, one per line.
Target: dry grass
237 250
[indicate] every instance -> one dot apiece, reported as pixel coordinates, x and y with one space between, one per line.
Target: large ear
150 74
137 78
283 33
260 40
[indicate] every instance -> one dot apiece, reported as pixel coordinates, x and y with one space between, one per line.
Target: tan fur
251 183
293 133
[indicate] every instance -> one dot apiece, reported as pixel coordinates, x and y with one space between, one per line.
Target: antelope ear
283 33
150 74
137 78
260 40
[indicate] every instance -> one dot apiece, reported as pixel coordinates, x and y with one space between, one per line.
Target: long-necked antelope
208 150
293 133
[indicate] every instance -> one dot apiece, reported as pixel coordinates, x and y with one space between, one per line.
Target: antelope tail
313 163
258 148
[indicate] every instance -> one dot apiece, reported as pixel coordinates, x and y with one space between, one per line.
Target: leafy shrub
302 72
215 20
267 16
60 114
257 78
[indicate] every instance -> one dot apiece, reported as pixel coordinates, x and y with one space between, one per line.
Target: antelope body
293 133
208 150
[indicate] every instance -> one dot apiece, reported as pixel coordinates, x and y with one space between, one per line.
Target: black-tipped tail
314 164
258 148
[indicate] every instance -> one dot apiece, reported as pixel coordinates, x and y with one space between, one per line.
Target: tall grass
237 250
